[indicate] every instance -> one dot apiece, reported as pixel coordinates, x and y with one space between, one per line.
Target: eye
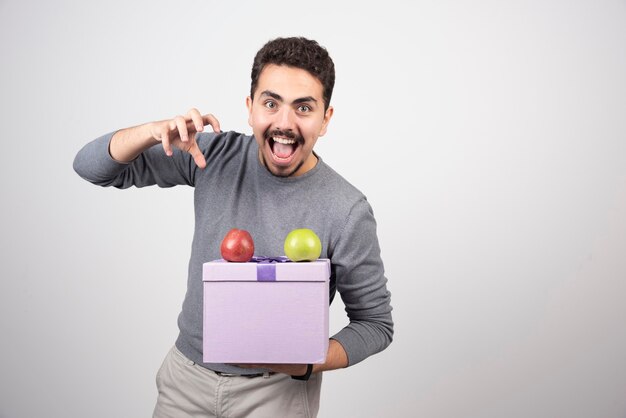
304 108
270 104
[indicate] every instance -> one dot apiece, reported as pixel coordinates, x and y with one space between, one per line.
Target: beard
266 165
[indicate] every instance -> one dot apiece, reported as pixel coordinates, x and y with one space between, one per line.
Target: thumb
198 156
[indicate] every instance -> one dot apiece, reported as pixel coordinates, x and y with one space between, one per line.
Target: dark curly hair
300 53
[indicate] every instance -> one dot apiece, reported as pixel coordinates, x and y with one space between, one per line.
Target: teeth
284 140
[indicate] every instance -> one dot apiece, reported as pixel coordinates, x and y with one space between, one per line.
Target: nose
285 119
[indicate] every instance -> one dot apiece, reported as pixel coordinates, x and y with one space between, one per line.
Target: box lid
267 269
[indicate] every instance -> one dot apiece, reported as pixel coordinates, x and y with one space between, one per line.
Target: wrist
126 144
150 133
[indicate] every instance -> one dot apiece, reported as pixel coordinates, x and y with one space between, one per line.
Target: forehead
289 82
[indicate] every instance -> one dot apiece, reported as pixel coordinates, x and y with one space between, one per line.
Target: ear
327 115
249 106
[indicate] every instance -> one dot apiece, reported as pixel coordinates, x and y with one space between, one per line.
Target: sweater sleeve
152 167
362 285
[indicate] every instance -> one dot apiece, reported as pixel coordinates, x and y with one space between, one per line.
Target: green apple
303 245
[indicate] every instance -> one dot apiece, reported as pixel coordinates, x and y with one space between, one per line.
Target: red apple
237 246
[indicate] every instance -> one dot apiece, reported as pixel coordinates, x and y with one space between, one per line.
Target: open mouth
283 145
283 148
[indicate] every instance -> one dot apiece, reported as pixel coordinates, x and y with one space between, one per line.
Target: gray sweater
236 191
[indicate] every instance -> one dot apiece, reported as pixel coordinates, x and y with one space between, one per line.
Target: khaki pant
189 390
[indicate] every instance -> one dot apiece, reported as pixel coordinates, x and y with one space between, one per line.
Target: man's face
287 116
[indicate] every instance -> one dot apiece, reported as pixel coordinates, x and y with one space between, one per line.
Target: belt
250 376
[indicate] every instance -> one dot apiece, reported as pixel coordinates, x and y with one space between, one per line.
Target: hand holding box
266 311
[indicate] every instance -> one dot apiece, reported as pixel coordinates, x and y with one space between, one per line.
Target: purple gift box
269 310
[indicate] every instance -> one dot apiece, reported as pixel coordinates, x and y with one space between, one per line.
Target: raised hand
180 132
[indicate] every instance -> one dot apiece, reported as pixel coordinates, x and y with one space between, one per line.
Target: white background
489 136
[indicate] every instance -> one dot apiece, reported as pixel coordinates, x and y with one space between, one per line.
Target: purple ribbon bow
266 267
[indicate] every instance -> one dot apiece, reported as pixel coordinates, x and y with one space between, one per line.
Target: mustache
284 133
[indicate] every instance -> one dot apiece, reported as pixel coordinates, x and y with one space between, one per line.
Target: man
268 184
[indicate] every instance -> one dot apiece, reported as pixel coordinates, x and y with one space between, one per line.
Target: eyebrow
278 97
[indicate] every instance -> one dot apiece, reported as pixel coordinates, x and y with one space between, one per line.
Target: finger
181 125
198 156
196 118
209 119
165 141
